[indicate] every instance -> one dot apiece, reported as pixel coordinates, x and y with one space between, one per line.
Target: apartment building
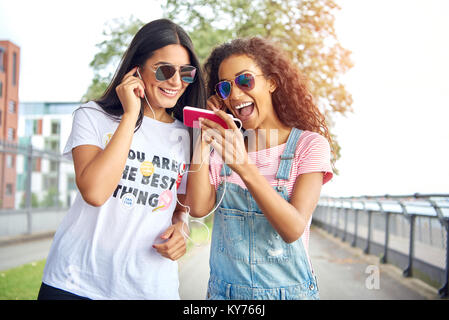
46 126
9 110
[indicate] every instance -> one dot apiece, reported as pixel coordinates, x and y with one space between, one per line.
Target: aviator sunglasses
166 71
244 81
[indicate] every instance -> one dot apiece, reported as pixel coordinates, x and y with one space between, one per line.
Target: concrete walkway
23 251
343 273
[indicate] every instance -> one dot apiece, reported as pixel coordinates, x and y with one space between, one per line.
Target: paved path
16 254
343 272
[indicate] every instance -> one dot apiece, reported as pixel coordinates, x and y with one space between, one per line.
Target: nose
176 81
236 92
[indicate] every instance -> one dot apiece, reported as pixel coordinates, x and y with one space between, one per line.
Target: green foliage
118 36
34 201
51 199
304 28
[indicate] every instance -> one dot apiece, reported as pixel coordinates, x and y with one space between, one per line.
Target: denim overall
248 258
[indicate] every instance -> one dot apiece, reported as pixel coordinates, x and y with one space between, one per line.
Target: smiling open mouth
244 110
168 92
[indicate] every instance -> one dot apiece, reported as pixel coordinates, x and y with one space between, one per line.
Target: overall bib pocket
233 222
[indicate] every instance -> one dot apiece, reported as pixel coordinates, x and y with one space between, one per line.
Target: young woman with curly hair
265 182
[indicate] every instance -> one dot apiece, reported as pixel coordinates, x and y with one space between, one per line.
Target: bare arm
98 171
175 245
200 193
289 219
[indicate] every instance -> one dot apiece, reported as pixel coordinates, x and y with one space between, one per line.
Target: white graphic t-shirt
106 252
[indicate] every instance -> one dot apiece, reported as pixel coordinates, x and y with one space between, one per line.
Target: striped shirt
312 155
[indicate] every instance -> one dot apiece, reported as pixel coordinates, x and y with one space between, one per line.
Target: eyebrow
239 73
162 62
165 62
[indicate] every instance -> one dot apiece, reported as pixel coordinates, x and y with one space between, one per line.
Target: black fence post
408 272
444 290
329 217
337 215
384 258
346 224
368 240
356 217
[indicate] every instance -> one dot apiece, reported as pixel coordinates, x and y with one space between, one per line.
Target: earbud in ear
138 73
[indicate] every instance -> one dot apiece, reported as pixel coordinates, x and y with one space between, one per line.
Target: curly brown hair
292 100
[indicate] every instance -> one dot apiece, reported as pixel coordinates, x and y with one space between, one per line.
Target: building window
9 187
11 134
49 182
55 127
14 69
52 144
2 51
12 106
53 166
0 118
9 161
1 89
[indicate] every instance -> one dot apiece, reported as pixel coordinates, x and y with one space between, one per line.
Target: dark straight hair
151 37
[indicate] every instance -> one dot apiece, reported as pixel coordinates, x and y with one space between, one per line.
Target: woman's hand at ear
130 91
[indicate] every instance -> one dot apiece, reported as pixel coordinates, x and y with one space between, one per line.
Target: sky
397 139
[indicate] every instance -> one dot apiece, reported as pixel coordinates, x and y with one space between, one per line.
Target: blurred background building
45 126
9 102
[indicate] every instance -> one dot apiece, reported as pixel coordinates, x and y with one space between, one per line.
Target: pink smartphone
191 116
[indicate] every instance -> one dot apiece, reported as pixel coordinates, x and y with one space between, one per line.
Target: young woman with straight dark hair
123 234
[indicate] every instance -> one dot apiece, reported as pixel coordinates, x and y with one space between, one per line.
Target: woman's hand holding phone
215 102
229 143
130 91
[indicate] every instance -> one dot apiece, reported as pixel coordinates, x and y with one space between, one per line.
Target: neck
156 113
264 138
271 133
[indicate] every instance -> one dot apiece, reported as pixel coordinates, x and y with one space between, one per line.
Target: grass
199 234
23 283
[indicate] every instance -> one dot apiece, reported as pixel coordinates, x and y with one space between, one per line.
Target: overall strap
225 171
288 155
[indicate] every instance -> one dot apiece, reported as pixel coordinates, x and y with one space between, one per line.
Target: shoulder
312 141
91 109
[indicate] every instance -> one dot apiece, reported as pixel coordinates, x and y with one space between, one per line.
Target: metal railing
25 216
410 231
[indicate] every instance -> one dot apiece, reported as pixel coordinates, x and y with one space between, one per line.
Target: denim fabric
249 259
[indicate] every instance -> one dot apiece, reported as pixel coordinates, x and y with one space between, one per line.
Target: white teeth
169 91
242 105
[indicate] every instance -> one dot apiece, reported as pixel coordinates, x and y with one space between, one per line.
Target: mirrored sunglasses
165 72
244 81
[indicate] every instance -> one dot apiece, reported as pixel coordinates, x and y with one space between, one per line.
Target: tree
51 199
118 34
305 28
